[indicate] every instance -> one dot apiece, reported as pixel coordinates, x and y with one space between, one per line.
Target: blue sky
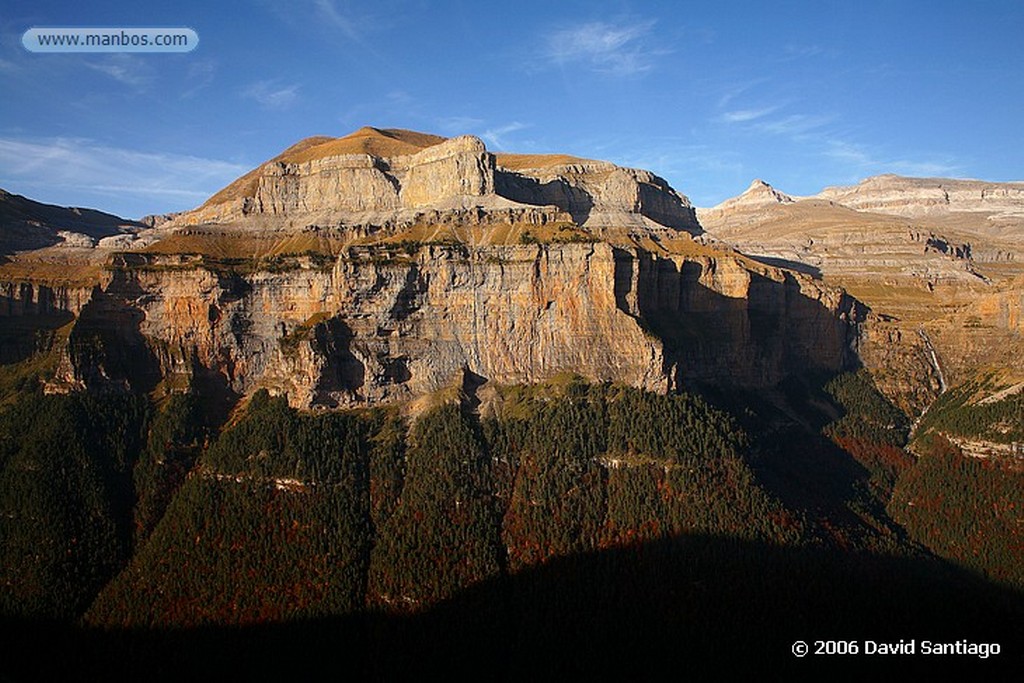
708 95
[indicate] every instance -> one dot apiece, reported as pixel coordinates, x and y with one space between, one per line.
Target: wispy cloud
794 125
458 125
793 51
272 94
328 11
848 152
619 49
867 161
734 90
746 115
760 117
496 137
127 69
331 20
65 169
824 136
200 74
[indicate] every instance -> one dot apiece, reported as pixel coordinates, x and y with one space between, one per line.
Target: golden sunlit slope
517 162
389 142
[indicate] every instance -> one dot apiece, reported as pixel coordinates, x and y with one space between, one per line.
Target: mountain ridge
357 201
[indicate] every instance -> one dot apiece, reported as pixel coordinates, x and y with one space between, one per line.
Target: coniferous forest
567 528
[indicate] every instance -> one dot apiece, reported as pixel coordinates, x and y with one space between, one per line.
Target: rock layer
917 197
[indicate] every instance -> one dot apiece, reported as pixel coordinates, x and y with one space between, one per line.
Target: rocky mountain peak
389 177
760 191
759 195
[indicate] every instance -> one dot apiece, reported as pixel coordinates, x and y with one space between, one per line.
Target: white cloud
327 10
495 137
272 95
745 115
126 69
868 162
794 125
617 49
51 169
200 74
459 125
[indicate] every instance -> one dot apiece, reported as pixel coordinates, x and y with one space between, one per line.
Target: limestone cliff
382 325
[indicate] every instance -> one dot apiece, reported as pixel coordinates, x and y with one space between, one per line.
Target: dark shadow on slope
694 606
27 224
789 264
107 349
332 339
807 471
764 356
659 202
214 393
556 192
21 337
768 331
410 297
29 317
471 383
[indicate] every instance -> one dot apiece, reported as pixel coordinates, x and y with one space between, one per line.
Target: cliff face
336 186
383 326
18 299
598 194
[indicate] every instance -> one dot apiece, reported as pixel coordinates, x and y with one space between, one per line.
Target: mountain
390 178
933 256
992 208
29 225
390 402
759 195
340 277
